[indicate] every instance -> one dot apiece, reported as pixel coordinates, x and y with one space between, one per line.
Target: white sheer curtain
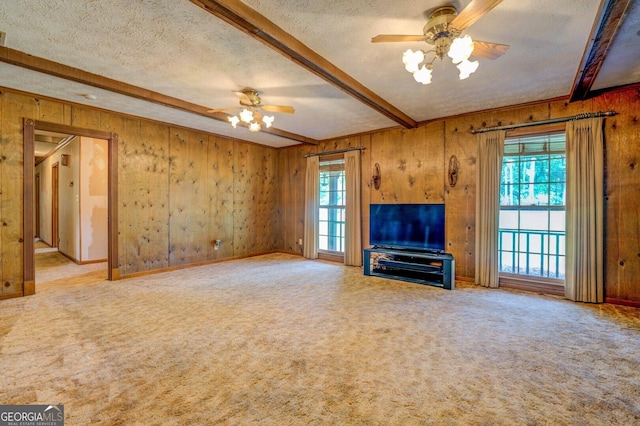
311 191
353 224
584 280
488 172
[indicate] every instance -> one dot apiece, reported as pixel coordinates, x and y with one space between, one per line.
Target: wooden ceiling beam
45 66
260 28
602 35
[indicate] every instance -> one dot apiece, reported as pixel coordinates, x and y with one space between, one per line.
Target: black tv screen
407 226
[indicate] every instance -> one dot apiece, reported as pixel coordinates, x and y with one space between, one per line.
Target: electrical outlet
300 242
216 244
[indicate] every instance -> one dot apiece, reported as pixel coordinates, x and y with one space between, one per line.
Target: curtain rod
550 121
337 151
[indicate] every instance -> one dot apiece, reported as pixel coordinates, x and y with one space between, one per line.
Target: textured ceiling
177 49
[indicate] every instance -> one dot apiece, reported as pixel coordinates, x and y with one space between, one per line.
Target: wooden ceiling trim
602 35
56 69
257 26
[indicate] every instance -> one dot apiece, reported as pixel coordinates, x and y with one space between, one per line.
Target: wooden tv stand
437 269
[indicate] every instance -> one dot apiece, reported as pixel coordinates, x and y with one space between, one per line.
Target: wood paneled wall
11 181
622 182
255 218
179 190
143 196
414 166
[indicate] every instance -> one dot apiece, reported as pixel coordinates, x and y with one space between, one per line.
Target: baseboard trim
295 253
71 258
88 262
192 265
614 301
11 296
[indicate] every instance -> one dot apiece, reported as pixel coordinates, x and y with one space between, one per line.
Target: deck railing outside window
536 253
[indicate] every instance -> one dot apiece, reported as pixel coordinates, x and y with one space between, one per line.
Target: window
532 207
331 216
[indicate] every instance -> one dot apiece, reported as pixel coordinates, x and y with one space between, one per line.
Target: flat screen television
407 226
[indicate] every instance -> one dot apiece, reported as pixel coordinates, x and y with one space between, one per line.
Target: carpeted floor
53 266
280 340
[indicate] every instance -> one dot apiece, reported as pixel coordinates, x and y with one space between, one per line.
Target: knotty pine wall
174 201
12 110
179 190
414 166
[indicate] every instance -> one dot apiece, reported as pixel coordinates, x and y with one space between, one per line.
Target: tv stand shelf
437 269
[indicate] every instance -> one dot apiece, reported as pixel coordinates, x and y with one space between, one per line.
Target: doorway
29 229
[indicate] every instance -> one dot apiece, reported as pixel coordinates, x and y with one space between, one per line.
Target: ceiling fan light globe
268 120
411 59
423 75
254 127
234 120
246 115
467 68
460 50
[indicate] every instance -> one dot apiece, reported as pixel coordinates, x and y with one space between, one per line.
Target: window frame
332 164
541 283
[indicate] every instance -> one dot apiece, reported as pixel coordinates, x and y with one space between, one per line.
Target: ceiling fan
250 104
443 31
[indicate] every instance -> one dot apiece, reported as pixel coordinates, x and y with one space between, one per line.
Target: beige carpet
279 340
53 266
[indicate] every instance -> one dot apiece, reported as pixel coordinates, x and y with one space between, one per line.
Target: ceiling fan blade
244 99
223 109
487 50
474 11
278 108
391 38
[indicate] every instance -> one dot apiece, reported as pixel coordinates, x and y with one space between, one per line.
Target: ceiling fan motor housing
253 97
438 25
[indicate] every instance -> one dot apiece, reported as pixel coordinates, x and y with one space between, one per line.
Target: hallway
52 267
